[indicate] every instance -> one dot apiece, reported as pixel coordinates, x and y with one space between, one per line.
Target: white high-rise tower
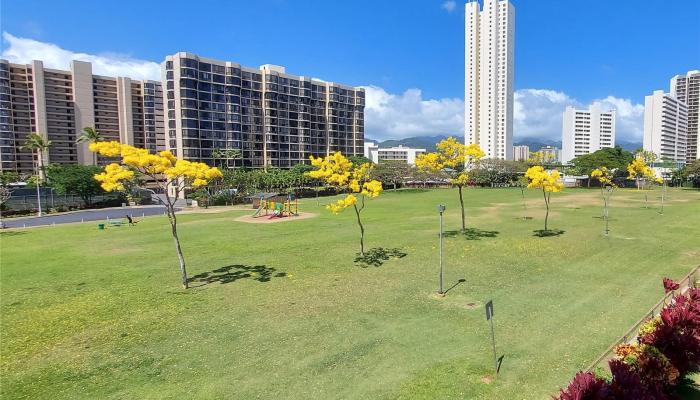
488 68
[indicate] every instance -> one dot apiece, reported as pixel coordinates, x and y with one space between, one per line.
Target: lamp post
441 210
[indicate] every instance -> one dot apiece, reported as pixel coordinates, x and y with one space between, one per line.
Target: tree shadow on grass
232 273
472 234
12 233
377 256
548 232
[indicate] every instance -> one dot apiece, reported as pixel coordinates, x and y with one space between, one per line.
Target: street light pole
441 210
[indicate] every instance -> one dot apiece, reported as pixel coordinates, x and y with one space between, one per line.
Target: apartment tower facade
521 153
58 104
666 126
489 73
586 131
271 117
686 88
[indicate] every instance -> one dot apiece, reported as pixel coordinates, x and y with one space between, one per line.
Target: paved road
85 215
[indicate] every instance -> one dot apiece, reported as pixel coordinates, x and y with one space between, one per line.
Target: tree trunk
362 230
180 256
461 204
546 204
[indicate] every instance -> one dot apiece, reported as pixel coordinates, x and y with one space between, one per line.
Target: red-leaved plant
668 349
586 385
670 285
678 334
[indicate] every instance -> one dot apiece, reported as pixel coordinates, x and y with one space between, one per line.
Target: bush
668 347
586 385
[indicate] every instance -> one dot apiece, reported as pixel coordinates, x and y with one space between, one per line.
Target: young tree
168 173
78 179
455 158
640 171
90 135
523 181
607 186
548 182
338 171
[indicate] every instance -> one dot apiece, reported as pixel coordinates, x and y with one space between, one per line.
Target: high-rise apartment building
686 88
58 104
271 117
521 153
666 126
586 131
488 92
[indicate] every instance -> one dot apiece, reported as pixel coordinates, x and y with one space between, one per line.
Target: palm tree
90 135
38 145
234 154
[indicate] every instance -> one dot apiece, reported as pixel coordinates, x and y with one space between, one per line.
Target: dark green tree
75 179
359 160
392 172
615 159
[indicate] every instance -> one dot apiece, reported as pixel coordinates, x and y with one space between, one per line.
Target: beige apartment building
58 104
686 88
273 118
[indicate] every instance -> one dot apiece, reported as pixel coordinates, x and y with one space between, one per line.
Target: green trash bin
101 227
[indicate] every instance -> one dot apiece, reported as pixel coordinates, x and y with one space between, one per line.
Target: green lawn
283 312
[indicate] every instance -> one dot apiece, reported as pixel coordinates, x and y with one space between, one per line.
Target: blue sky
410 53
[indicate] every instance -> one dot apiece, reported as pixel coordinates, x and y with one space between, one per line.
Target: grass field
280 311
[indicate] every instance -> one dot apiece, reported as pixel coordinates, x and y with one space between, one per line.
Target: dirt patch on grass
267 220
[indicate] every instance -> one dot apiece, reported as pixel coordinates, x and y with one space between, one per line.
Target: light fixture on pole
441 210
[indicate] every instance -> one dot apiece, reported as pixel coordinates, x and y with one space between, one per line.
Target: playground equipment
276 209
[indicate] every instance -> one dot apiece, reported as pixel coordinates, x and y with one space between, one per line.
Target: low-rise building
399 153
521 153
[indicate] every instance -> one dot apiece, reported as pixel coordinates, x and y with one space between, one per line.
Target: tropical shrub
667 348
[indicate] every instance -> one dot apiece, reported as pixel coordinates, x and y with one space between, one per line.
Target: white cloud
392 116
22 50
537 114
630 117
449 5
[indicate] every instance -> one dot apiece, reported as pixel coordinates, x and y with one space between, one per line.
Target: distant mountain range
417 142
428 143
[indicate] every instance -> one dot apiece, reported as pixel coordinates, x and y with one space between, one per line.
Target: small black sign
489 310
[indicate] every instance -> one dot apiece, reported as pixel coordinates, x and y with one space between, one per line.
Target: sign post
489 317
441 209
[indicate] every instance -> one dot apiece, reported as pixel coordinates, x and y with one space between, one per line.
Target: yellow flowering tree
455 158
168 173
549 182
336 170
607 187
640 171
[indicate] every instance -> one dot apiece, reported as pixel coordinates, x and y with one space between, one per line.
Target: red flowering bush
670 285
586 386
626 384
668 348
678 334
